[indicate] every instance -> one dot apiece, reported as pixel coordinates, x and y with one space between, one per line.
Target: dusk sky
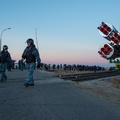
66 29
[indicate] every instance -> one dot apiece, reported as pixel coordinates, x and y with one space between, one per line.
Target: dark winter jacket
31 54
4 57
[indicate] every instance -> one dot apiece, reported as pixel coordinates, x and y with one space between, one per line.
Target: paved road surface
50 99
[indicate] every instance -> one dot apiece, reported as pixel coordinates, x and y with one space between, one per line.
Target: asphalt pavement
50 99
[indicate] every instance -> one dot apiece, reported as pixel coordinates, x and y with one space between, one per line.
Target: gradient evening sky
66 29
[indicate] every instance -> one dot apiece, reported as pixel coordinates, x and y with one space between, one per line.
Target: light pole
1 37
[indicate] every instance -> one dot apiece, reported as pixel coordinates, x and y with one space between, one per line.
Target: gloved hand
38 65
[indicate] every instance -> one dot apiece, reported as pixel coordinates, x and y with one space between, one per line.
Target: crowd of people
21 65
75 67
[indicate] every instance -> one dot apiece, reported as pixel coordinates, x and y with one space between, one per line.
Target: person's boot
31 84
26 84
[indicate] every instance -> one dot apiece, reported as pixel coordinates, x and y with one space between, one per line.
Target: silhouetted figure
4 59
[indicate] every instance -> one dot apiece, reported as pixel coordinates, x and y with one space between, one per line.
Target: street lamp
1 37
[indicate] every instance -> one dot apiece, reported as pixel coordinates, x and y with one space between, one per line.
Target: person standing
31 55
21 65
4 58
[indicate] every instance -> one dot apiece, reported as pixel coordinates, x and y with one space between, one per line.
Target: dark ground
50 99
